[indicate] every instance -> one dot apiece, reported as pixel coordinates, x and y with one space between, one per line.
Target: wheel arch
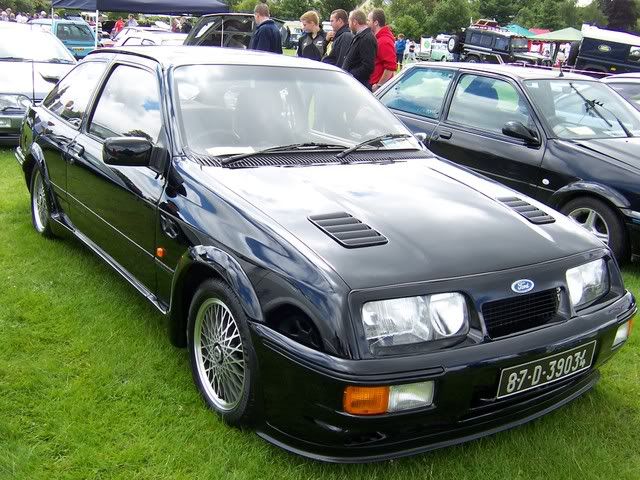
34 157
198 264
589 189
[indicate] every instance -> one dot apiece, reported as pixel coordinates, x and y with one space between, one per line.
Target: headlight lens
18 102
402 321
587 282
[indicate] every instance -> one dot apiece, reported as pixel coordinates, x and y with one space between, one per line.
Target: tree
419 10
449 16
325 7
502 11
592 14
551 14
407 25
622 14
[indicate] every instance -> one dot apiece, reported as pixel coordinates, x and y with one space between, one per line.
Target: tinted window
71 95
502 43
74 32
421 93
487 104
475 39
630 91
237 32
634 54
128 106
486 40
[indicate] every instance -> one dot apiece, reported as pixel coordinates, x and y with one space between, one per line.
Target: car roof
516 72
623 77
173 56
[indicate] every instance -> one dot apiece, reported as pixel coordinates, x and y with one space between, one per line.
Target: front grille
516 314
528 211
347 230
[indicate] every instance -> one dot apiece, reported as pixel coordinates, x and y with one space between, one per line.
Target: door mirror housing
127 151
518 130
421 137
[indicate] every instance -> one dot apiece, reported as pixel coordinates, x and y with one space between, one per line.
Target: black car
605 52
566 140
233 30
31 62
486 42
338 288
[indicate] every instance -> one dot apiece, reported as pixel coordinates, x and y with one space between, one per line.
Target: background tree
622 14
448 16
325 7
502 11
592 14
407 25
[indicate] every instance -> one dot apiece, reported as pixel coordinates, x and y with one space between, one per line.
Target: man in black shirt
313 43
341 40
267 35
362 52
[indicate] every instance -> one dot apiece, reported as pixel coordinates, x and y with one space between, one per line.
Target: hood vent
528 211
347 230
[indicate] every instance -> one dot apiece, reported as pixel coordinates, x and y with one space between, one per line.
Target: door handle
445 134
77 149
169 227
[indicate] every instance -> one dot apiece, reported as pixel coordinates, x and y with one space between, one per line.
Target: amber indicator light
365 400
160 252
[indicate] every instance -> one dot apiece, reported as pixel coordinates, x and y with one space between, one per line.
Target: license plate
546 370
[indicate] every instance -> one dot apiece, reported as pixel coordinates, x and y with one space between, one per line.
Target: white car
152 38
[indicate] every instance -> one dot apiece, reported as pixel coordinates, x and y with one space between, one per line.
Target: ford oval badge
522 286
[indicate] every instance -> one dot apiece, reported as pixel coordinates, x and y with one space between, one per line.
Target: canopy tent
167 7
518 30
566 35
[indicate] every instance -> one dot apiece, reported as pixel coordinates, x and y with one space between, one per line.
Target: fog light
5 122
622 334
378 400
413 395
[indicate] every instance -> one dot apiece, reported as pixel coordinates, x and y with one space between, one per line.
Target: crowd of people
363 45
9 15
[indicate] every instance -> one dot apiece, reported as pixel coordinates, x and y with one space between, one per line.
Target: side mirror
127 151
518 130
420 136
50 78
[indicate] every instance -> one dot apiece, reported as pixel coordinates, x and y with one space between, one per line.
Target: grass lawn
90 388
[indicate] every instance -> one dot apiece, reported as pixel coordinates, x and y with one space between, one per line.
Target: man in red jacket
385 63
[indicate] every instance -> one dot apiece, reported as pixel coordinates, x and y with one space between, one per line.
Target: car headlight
587 282
402 321
17 102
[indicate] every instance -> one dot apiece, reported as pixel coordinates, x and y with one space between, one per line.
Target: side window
421 93
502 43
486 40
634 55
487 104
128 106
475 39
148 42
70 97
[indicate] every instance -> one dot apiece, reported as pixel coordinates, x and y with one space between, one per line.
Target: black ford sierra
338 288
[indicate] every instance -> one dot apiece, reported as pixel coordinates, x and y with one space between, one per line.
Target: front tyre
597 217
40 204
222 358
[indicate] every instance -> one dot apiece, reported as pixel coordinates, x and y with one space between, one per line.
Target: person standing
313 44
342 37
132 22
401 45
267 35
385 63
117 28
362 51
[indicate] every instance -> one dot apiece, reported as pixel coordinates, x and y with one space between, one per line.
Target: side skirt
63 223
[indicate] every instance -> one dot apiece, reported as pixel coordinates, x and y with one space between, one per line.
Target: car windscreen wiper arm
373 140
15 59
280 148
595 106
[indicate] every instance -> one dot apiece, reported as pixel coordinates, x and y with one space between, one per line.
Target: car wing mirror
420 136
127 151
50 77
518 130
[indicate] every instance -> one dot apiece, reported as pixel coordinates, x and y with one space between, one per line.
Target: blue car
76 35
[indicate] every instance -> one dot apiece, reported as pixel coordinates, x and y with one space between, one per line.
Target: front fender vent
528 211
347 230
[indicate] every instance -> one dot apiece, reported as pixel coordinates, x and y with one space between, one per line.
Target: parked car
294 33
486 42
437 51
627 85
128 31
32 61
146 38
337 287
76 35
232 30
605 52
566 140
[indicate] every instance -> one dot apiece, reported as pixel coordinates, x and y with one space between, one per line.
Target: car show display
340 289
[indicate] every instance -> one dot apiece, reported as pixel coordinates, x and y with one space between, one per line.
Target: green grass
90 388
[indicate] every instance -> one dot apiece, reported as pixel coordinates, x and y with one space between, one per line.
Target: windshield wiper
57 60
280 148
381 138
593 105
15 59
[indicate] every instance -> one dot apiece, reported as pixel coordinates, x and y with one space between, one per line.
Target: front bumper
303 389
10 126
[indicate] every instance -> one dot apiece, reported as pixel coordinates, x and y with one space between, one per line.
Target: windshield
518 43
583 109
234 109
32 45
74 32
